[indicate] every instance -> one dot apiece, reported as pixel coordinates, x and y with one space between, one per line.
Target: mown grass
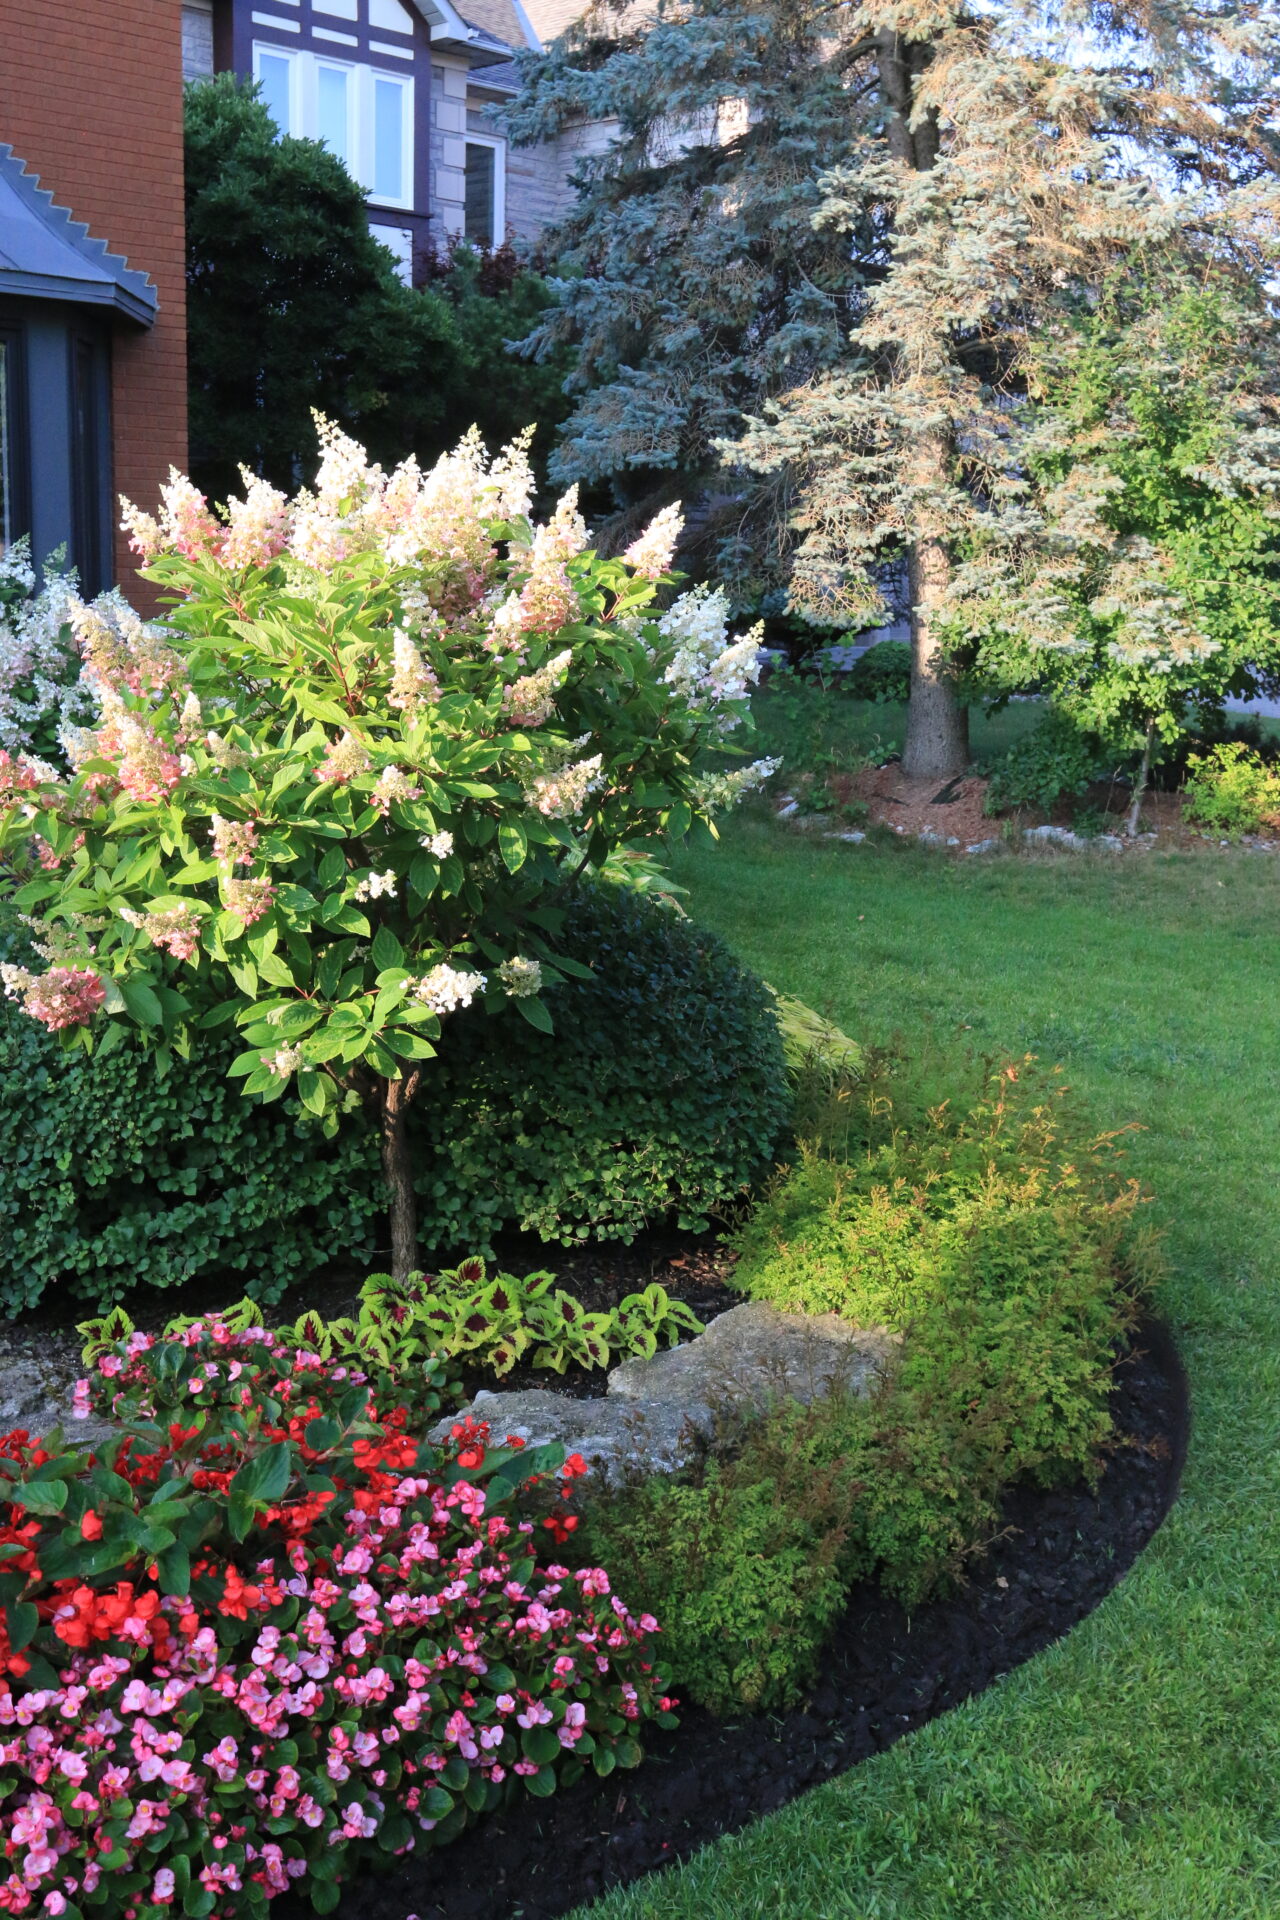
1133 1771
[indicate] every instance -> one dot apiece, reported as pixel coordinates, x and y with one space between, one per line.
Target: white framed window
362 114
400 242
485 221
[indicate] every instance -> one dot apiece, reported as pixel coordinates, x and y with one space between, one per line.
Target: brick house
92 289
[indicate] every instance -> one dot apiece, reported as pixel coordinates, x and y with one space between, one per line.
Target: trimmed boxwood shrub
115 1177
662 1090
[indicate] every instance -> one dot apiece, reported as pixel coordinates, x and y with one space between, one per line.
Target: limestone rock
753 1354
654 1436
657 1413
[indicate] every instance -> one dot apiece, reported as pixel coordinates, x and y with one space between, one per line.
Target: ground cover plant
265 1632
1128 1773
336 798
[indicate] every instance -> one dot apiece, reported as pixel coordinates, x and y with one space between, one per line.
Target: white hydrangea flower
653 553
521 978
284 1061
445 988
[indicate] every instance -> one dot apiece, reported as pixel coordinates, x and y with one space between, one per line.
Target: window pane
388 140
480 182
331 110
6 451
273 73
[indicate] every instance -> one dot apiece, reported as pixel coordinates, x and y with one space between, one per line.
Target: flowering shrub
40 685
264 1632
331 799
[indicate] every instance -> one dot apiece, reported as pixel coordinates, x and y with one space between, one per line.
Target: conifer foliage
985 170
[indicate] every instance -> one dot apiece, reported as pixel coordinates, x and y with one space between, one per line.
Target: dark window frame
18 423
89 452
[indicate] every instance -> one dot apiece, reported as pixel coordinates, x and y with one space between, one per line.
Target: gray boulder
657 1414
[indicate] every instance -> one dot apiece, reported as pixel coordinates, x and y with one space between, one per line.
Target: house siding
91 99
360 41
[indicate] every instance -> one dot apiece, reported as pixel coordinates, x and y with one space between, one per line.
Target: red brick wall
91 100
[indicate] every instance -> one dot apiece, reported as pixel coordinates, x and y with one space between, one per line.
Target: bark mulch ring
951 813
1060 1555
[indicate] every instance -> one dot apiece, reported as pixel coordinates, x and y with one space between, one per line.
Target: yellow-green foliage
1232 790
909 1202
996 1233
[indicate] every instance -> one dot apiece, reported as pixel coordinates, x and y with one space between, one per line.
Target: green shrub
913 1200
115 1177
882 674
749 1559
662 1090
1054 760
1231 790
996 1235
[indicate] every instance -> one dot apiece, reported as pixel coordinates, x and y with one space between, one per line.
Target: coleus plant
264 1632
334 798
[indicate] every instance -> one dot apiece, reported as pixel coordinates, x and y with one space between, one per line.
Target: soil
953 810
886 1672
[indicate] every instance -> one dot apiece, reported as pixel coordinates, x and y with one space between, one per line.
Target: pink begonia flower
163 1886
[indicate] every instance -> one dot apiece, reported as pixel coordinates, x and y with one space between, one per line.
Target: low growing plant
1232 790
264 1633
997 1238
1055 761
896 1204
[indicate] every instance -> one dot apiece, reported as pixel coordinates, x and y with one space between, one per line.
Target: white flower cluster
393 784
653 553
439 845
706 666
561 791
412 680
531 699
39 666
445 988
521 978
376 886
284 1061
716 792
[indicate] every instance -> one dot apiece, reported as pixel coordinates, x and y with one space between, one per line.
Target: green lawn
1133 1771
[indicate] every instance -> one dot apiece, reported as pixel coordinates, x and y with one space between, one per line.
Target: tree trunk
1134 814
937 743
397 1168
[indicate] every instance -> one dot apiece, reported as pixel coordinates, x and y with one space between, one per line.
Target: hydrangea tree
334 796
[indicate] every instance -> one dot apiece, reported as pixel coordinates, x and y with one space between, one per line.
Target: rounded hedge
117 1177
662 1091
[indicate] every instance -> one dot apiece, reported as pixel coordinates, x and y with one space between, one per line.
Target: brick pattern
91 99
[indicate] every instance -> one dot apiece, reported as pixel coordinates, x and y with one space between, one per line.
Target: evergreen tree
986 169
293 305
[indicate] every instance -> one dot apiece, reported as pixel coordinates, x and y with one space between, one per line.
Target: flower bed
265 1633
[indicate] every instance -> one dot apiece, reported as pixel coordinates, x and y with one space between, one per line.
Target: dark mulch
1061 1554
